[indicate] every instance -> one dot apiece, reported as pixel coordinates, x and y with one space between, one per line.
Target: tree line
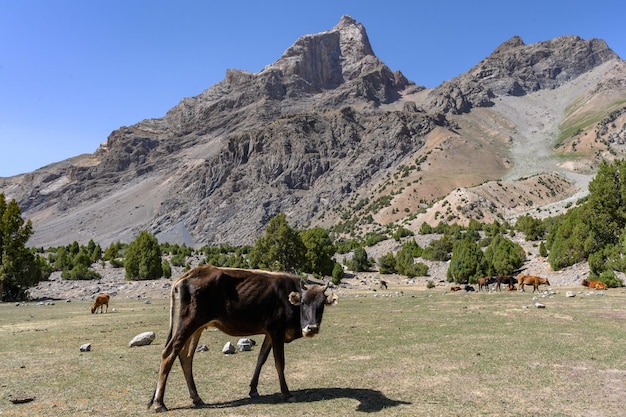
593 231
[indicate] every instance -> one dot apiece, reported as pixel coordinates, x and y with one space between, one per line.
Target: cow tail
173 291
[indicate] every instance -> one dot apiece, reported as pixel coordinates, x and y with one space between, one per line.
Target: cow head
312 299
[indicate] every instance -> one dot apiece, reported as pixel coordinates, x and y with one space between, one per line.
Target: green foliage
593 230
405 260
167 269
467 263
439 250
610 279
80 272
319 251
533 229
337 273
543 251
280 248
143 258
360 262
401 232
503 256
19 267
114 251
387 264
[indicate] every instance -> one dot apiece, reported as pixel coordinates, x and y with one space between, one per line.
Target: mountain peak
327 59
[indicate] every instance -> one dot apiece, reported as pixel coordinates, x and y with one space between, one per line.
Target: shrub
337 273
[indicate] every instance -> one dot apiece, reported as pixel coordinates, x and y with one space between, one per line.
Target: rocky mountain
329 135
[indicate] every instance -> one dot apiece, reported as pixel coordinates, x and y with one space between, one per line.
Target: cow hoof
254 394
290 398
199 403
161 409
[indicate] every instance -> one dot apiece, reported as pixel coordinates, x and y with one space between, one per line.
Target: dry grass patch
425 353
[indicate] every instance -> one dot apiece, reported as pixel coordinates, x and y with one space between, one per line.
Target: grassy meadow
425 353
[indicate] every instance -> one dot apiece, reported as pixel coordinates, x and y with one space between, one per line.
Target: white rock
142 339
86 347
229 348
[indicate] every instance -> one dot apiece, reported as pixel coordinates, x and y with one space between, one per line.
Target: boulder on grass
142 339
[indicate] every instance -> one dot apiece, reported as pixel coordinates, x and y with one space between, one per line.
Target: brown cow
531 279
505 279
455 288
239 302
594 284
101 301
484 283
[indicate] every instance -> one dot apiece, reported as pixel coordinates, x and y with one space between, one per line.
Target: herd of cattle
517 284
242 302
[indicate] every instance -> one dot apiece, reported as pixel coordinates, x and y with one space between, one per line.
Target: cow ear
295 298
332 300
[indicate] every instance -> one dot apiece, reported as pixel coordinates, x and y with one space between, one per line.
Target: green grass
422 354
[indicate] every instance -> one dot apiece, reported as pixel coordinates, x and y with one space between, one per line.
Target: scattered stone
142 339
570 294
21 398
228 349
539 305
245 345
202 348
86 347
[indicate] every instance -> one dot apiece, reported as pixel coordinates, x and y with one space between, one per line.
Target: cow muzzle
310 330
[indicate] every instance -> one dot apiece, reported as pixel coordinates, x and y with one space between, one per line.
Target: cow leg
279 361
186 362
263 354
168 356
167 360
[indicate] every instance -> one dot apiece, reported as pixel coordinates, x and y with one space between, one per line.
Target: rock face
326 128
517 69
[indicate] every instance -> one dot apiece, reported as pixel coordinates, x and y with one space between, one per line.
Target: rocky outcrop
517 69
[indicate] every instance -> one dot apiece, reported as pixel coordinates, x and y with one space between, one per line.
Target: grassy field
420 354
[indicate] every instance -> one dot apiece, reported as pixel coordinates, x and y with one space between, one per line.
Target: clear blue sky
72 71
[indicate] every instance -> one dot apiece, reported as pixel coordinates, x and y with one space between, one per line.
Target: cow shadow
370 401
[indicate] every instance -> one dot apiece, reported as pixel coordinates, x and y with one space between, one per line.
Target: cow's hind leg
171 351
186 362
263 354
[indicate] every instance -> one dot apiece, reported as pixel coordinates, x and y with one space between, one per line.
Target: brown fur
594 284
101 301
531 279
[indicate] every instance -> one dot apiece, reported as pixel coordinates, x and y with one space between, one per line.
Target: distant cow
484 283
594 284
102 300
239 302
531 280
505 279
383 284
455 288
469 288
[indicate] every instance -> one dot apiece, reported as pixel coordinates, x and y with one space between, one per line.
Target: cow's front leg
186 362
279 361
263 354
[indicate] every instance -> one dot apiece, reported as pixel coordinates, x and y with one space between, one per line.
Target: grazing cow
469 288
505 279
484 283
102 300
239 302
594 284
383 284
455 288
531 279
